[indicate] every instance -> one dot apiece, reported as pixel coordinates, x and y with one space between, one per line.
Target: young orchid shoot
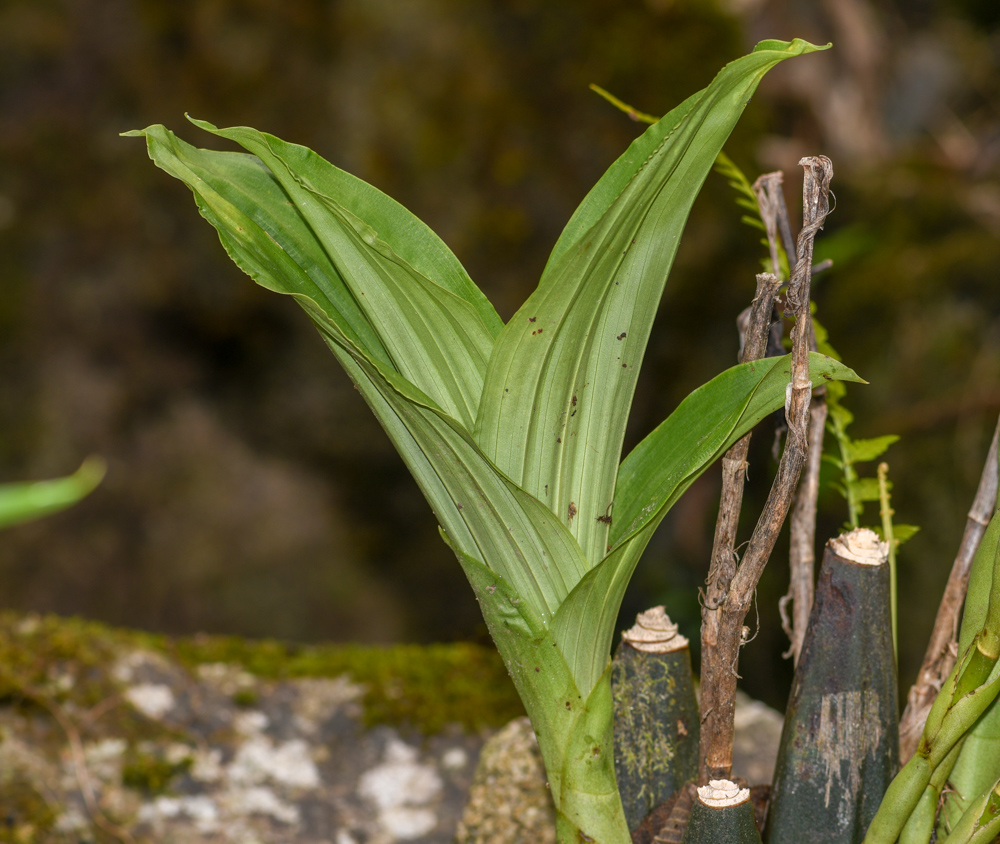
514 431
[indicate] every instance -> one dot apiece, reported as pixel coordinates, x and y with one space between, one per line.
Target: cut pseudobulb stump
656 714
721 814
840 743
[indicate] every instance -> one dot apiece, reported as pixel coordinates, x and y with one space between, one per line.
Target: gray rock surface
216 755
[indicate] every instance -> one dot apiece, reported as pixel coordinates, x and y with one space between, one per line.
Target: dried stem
771 203
802 554
753 339
802 550
719 658
942 649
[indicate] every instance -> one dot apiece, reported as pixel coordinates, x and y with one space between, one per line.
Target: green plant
22 502
514 431
909 809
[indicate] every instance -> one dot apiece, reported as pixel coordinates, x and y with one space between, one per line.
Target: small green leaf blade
24 502
901 533
863 489
569 359
861 451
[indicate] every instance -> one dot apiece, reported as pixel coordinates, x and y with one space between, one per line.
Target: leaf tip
795 47
201 124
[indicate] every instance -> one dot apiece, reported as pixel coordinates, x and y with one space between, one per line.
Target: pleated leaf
284 228
267 236
563 372
513 432
651 479
573 726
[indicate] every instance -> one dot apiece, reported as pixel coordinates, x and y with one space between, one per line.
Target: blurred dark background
249 490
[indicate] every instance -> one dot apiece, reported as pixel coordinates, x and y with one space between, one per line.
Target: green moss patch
150 773
424 687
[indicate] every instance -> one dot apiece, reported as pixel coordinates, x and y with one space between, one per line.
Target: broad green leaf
650 481
482 512
563 372
709 420
291 237
861 451
23 502
574 729
268 237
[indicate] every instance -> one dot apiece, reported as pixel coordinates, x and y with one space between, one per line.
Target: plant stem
720 657
942 649
886 512
722 567
802 553
770 200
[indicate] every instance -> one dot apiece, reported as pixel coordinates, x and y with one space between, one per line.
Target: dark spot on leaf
459 506
558 439
624 365
537 669
571 511
574 401
532 318
569 705
622 336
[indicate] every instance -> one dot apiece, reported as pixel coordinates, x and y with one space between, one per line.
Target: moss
152 774
25 813
424 687
246 698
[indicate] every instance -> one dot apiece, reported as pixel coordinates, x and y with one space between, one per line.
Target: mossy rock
222 738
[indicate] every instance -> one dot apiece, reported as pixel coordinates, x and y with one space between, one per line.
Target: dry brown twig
942 650
720 657
722 567
802 554
802 530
